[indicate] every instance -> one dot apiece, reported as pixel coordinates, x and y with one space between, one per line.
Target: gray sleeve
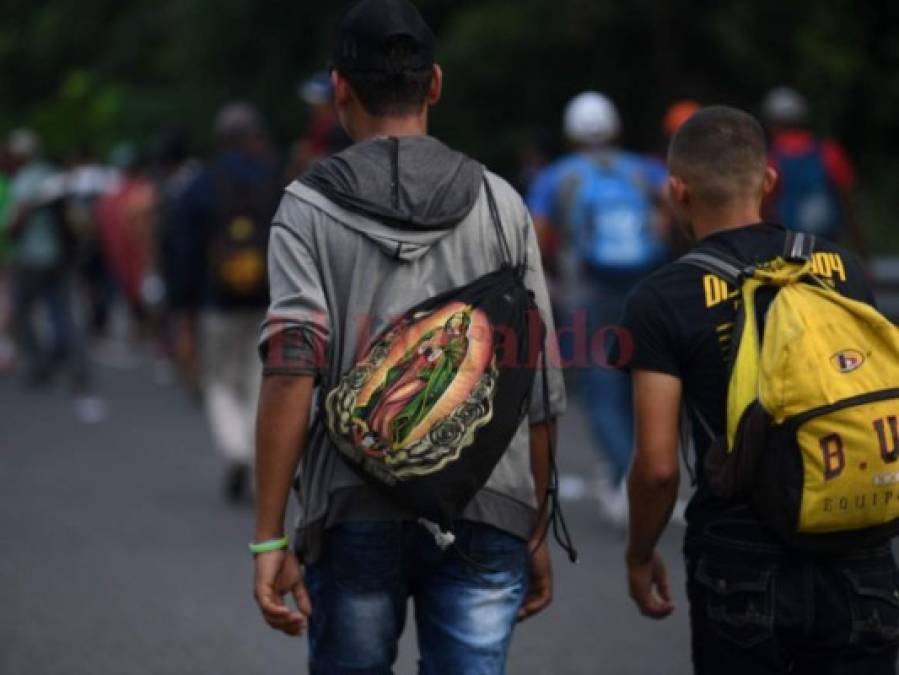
296 332
535 281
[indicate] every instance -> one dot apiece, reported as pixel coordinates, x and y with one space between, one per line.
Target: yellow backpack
812 436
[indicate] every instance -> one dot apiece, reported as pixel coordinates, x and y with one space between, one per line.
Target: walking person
598 216
222 232
768 591
816 179
126 223
87 181
42 257
396 220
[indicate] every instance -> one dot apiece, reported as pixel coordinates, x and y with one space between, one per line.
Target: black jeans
761 610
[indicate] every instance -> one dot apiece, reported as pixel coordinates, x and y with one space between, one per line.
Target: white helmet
784 105
591 118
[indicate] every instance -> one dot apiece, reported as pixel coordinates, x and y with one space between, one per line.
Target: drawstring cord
505 252
443 539
395 174
555 519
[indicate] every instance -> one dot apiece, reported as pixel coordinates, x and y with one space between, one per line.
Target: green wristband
270 545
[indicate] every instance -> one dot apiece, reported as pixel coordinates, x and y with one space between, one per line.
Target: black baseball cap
368 29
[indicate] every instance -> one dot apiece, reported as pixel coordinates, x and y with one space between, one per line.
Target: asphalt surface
119 557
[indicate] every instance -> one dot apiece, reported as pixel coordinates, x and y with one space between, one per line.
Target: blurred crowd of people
150 251
154 249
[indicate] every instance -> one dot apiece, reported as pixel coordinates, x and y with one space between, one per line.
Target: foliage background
93 72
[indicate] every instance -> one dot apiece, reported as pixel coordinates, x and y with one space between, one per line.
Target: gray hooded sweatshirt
355 243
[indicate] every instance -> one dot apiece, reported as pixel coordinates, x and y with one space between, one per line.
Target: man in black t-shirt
755 607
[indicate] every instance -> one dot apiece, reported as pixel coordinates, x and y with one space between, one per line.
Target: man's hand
652 487
277 573
649 586
540 587
281 425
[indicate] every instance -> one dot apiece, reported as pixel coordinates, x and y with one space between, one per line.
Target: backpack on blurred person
807 201
243 211
812 436
613 215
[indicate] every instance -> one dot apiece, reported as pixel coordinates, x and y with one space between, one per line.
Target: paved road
118 556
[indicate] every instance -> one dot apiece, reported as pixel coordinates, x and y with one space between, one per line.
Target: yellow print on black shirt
828 267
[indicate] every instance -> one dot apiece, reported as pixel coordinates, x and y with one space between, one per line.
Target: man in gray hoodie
395 219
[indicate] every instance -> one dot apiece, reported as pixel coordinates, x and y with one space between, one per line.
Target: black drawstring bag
427 413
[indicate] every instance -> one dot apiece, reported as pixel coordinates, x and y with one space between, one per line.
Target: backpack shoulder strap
718 263
798 247
497 223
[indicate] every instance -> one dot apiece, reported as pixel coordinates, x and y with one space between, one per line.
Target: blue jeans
604 391
759 609
464 614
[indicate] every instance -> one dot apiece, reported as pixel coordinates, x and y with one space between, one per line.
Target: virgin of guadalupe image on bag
415 401
414 384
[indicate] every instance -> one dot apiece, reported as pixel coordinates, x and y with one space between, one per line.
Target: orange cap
678 113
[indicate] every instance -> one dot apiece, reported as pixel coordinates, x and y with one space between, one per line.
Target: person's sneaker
678 515
572 488
237 480
90 409
613 504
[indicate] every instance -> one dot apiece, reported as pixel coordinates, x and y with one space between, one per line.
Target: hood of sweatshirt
410 191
